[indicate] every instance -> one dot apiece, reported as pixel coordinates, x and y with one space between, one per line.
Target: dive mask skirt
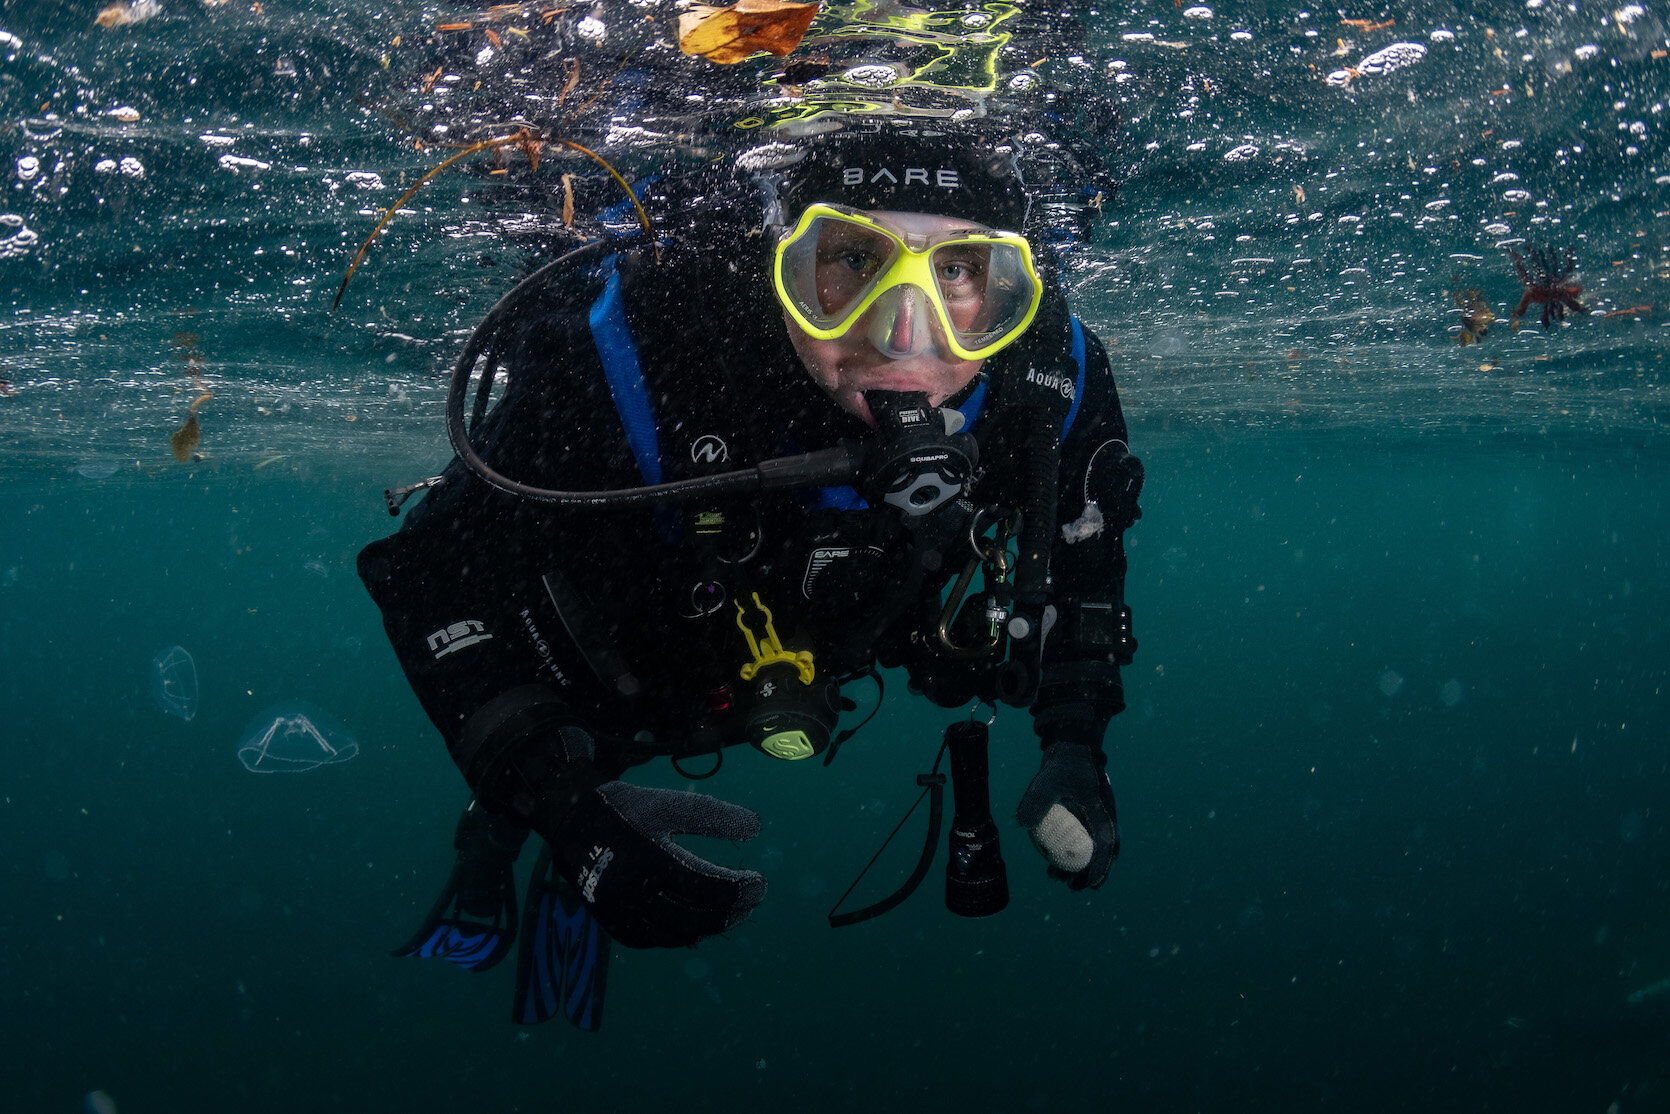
837 263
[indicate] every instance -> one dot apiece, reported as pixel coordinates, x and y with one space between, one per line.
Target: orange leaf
572 65
727 35
530 147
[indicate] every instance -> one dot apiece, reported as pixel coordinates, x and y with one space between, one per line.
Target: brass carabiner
993 555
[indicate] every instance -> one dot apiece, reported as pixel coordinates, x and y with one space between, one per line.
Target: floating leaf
119 13
572 66
727 35
185 438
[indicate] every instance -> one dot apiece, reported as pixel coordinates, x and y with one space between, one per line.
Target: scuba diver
733 471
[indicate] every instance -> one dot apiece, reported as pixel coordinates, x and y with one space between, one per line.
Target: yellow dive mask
838 264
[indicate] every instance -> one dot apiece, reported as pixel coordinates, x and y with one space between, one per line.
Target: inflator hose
820 469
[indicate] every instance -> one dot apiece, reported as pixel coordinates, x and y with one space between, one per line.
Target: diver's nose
901 323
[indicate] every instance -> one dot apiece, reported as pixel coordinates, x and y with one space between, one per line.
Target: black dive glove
1068 810
616 846
612 840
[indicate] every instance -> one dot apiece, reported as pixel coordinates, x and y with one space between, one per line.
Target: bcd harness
1013 604
923 464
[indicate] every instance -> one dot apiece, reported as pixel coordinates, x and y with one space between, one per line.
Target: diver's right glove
616 846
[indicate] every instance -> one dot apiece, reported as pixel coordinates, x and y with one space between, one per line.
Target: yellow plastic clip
769 650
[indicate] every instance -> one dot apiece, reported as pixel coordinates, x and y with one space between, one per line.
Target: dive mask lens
988 290
831 264
837 265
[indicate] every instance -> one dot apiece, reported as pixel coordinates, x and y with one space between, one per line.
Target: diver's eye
961 273
861 263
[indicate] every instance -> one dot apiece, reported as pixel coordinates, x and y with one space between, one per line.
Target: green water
1330 897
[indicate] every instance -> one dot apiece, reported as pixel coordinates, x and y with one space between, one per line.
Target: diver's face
898 344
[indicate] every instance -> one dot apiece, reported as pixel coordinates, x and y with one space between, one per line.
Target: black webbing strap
933 789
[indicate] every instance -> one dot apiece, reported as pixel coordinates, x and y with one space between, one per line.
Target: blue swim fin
473 922
564 955
449 933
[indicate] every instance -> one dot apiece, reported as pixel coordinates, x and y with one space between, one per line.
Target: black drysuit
514 619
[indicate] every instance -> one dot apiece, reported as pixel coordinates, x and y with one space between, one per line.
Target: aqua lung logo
1050 381
911 176
709 449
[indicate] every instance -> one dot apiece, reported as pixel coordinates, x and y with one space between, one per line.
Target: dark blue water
1394 774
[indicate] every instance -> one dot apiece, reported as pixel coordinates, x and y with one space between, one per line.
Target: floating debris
1476 315
186 438
1547 276
119 14
727 35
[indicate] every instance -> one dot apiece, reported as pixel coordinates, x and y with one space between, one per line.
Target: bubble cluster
16 238
1395 57
876 76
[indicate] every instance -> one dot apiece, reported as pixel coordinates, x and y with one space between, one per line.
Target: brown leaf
530 148
727 35
572 65
185 438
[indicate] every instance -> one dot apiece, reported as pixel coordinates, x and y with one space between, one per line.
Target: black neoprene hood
943 175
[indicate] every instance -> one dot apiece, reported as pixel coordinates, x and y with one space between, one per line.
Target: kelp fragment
1476 315
185 438
530 142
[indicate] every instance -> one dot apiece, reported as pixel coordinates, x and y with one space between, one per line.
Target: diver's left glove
1068 810
649 892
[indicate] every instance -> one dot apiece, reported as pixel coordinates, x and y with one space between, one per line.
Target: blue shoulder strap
1078 384
625 375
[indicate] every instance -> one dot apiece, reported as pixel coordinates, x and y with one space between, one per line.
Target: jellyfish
98 466
293 737
174 682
